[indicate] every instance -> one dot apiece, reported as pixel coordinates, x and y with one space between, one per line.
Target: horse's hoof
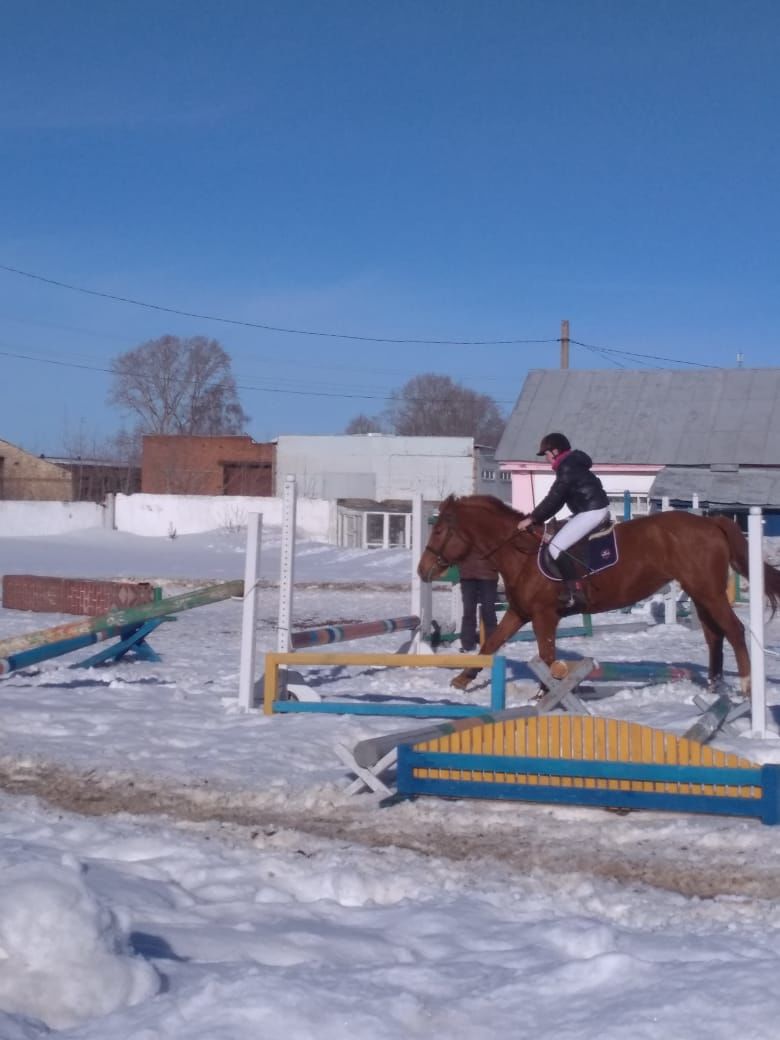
559 669
460 682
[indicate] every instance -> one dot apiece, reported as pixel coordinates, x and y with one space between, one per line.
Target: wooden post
564 344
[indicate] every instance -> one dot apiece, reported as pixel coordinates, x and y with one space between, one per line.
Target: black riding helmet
552 442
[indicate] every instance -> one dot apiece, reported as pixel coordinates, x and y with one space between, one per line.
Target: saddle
595 552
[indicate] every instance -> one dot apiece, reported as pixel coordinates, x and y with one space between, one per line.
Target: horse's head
447 543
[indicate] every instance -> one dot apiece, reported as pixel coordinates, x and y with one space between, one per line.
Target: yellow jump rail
274 661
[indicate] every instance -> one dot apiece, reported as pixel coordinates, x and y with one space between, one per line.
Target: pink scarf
559 459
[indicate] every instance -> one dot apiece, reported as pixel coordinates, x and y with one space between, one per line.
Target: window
640 505
388 530
488 474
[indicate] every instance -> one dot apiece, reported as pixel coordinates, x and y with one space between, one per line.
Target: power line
597 350
609 353
54 361
270 328
650 357
240 386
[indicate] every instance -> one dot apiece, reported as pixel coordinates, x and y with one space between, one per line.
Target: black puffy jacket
574 487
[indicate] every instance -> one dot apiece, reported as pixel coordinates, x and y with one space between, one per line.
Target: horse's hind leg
714 637
718 617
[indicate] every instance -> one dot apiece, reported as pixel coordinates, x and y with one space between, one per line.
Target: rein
520 548
453 530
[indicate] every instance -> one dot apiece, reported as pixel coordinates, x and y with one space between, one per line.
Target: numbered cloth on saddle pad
594 553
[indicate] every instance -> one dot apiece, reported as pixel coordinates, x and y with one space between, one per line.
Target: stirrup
571 596
566 599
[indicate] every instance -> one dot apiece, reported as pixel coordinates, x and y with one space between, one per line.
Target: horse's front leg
545 623
507 626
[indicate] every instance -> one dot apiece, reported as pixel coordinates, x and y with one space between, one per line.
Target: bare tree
126 446
78 443
433 405
174 385
364 424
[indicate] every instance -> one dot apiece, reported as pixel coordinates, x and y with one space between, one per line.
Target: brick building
26 477
182 465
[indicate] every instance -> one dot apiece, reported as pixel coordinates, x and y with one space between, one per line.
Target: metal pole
422 592
670 600
757 659
286 566
246 673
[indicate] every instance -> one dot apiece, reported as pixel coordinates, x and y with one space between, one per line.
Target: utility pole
564 344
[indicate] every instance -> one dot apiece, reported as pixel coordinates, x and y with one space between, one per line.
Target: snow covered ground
171 867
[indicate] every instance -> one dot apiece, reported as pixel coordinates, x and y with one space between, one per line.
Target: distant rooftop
657 417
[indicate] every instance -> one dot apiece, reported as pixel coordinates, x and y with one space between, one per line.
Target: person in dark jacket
581 491
478 587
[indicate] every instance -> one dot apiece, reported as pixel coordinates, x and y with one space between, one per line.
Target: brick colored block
82 596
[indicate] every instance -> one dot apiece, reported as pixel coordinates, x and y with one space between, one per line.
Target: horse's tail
738 558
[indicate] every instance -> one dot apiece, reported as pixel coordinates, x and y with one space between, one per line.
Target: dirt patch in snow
583 845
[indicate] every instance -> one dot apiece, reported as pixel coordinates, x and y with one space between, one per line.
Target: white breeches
576 527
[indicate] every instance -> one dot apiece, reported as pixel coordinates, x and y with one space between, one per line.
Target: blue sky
420 170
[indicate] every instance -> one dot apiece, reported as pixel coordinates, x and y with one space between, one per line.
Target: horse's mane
487 502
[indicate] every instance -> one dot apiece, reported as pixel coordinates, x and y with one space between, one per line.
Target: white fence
164 515
23 518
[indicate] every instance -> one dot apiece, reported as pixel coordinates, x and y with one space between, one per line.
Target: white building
373 477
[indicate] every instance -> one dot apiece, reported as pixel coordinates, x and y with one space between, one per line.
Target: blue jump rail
766 779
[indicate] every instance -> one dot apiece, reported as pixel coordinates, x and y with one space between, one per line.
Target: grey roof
740 487
675 417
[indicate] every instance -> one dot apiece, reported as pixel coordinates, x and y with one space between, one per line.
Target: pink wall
531 481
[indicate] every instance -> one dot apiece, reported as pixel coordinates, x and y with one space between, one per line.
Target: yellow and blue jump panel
582 760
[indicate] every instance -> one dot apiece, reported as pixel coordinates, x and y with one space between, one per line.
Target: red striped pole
353 630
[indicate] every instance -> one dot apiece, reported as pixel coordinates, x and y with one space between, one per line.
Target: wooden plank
711 721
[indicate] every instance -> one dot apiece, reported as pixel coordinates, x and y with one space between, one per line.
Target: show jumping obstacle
290 684
129 626
276 699
325 634
373 758
580 760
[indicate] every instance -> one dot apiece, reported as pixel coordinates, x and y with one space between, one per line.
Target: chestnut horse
695 551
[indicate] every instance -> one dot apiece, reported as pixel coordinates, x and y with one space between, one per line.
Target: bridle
441 559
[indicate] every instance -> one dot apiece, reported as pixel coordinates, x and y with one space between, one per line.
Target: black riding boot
571 596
